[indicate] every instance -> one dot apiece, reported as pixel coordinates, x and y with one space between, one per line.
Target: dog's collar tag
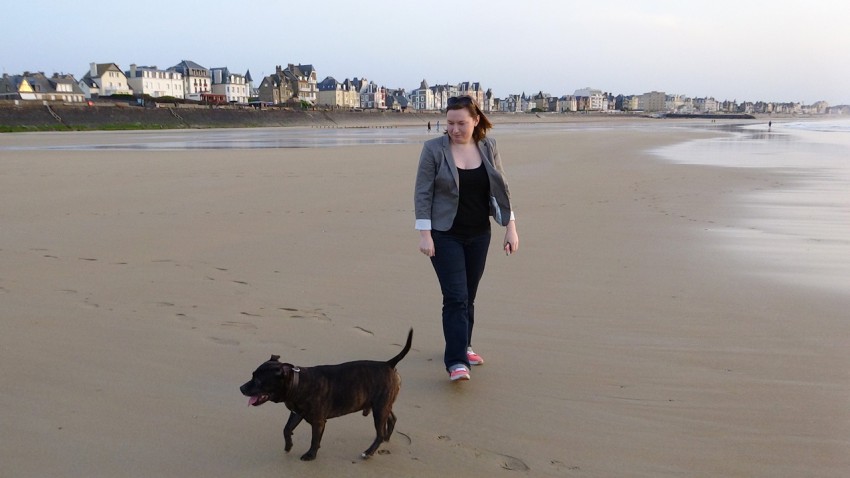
296 369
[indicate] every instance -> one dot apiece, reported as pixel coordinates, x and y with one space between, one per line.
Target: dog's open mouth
258 400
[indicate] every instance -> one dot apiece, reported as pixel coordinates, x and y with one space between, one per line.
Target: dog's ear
286 370
274 358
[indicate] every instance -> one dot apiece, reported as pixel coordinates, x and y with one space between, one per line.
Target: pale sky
745 50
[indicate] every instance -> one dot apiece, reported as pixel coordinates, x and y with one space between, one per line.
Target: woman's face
460 124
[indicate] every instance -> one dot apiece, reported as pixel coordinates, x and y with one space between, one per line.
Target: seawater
234 138
798 230
251 138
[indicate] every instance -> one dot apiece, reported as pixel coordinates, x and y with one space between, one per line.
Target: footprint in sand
182 316
364 331
316 314
512 463
560 465
241 325
505 462
224 341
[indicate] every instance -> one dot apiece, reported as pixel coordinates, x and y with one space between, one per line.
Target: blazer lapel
448 158
484 148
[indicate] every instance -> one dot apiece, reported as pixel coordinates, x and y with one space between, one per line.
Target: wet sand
141 288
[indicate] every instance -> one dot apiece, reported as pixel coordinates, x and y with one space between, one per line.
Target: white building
196 79
422 98
156 83
596 101
104 79
232 85
705 105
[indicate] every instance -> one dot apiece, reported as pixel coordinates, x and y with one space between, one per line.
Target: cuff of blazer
423 224
513 217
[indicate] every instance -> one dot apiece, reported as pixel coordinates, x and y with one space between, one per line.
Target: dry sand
140 289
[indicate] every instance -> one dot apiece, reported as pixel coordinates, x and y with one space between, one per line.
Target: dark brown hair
466 102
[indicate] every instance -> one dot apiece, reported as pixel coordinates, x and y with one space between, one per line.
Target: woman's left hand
511 239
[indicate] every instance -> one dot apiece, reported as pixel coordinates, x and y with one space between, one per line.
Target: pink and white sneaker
474 358
459 372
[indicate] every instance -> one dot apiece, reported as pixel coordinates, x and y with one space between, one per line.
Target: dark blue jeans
459 264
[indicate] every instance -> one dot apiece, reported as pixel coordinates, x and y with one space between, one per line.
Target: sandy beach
140 288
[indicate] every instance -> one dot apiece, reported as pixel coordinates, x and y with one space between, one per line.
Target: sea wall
37 116
106 115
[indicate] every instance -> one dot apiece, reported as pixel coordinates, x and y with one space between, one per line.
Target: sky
744 50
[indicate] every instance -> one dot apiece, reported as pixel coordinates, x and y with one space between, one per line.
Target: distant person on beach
438 126
429 126
769 125
460 184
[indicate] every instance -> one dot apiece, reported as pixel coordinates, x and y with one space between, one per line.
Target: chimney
132 70
93 69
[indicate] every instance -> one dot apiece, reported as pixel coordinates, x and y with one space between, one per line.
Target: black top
473 209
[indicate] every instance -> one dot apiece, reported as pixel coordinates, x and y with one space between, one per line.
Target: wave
827 126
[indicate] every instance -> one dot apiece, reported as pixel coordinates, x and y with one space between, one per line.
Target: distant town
297 86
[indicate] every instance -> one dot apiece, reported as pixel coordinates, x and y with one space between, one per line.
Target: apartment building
196 79
337 94
233 86
154 82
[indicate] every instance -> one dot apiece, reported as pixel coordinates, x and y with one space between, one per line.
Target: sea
798 230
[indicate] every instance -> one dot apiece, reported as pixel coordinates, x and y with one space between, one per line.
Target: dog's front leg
318 430
294 420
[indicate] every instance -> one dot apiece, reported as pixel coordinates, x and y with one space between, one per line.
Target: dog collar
294 382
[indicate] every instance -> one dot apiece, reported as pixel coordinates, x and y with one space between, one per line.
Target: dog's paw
309 456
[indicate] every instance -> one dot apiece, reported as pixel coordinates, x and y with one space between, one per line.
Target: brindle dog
318 393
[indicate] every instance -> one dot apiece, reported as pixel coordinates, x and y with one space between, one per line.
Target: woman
459 185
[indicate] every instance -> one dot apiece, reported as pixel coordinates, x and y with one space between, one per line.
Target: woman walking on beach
459 185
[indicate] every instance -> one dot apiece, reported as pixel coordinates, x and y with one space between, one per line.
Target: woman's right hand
426 243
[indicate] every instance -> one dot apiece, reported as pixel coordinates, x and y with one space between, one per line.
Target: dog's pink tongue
253 400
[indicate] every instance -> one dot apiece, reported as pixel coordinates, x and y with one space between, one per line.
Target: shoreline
141 289
792 227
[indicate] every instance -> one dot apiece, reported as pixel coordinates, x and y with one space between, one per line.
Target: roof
102 68
328 84
40 83
186 66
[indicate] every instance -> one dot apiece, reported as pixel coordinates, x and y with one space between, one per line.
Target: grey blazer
437 185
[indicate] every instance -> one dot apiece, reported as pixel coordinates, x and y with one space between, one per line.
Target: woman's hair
466 102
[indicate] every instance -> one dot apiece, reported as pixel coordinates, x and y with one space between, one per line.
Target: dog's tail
395 360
